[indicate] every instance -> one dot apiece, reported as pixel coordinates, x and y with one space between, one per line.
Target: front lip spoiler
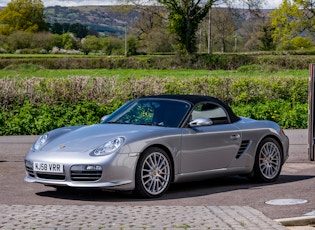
78 184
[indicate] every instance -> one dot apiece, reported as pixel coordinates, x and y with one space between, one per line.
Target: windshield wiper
144 123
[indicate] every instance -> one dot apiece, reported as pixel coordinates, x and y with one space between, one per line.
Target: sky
271 4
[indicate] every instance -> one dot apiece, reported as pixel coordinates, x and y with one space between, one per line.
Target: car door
210 147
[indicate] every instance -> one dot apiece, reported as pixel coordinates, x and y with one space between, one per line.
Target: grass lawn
127 73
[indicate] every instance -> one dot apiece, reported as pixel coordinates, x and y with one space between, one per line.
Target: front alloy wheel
268 161
153 174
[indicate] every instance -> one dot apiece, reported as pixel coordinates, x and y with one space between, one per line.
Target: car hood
87 138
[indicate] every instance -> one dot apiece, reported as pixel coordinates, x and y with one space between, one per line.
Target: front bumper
110 172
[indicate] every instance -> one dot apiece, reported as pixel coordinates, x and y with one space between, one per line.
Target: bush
30 119
205 61
23 67
286 61
36 105
286 114
102 90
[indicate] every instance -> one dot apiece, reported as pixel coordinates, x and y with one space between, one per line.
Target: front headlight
41 141
109 147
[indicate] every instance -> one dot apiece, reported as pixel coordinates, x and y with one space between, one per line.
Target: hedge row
238 90
36 105
34 119
31 119
211 62
136 62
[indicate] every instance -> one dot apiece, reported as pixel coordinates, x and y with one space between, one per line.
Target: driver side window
209 110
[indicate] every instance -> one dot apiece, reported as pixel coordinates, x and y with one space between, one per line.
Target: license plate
47 167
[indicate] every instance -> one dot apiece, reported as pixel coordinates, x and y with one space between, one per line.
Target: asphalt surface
229 203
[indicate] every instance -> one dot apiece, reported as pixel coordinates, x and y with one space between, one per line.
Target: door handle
235 137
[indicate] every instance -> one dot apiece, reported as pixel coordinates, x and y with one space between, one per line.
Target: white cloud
272 4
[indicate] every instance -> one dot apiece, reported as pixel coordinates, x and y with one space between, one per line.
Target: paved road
231 196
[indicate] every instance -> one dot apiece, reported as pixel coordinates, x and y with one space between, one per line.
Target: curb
297 221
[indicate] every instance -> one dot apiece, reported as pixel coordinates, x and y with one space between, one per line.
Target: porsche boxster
154 141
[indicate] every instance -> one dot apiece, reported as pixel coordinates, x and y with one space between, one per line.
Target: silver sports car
153 141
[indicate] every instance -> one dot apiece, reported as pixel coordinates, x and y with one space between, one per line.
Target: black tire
268 161
153 173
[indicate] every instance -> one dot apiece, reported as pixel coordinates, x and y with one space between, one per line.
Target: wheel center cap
268 160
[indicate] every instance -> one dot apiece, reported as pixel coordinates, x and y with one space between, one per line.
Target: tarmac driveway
296 182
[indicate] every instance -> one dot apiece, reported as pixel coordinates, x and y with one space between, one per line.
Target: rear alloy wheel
154 173
268 161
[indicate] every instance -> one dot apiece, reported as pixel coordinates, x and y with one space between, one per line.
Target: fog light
86 168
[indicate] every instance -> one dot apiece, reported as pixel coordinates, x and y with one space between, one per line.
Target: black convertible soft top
196 99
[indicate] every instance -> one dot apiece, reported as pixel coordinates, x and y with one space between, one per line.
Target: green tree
301 43
184 17
113 46
56 41
286 23
266 36
22 15
132 44
79 30
69 41
91 43
56 28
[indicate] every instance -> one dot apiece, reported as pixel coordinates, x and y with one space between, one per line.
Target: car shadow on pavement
226 184
176 191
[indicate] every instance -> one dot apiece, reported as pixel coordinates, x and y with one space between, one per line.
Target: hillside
108 20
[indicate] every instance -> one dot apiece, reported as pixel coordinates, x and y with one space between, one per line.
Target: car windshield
160 112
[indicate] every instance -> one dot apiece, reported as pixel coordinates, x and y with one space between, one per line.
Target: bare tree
223 28
184 16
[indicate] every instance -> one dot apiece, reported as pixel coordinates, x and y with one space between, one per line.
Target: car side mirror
103 118
201 122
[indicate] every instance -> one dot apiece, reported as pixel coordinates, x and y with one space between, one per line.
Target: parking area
216 203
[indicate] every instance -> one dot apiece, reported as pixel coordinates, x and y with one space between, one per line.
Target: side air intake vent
242 149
